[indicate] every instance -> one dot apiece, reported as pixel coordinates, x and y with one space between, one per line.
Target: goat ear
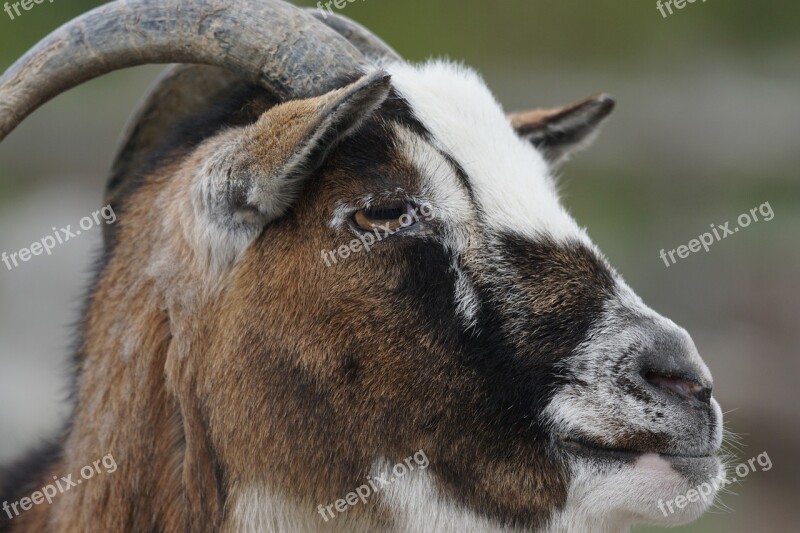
251 175
560 132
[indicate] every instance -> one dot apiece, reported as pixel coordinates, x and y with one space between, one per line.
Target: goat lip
582 446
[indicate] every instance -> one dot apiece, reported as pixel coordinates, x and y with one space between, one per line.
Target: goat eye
389 217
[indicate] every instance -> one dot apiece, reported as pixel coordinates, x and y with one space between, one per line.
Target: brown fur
283 371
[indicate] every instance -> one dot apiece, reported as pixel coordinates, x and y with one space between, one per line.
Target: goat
240 383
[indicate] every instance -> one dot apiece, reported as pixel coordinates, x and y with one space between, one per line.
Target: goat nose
684 388
673 367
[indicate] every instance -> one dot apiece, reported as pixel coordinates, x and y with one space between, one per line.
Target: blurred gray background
706 128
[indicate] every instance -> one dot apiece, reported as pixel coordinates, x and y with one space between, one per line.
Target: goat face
487 331
241 375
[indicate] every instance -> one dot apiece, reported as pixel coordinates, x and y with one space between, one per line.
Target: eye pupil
389 217
385 213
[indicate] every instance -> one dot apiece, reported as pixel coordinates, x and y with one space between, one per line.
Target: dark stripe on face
562 287
537 305
397 109
370 151
538 302
405 116
516 382
489 395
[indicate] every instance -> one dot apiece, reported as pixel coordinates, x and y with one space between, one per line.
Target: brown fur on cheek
328 369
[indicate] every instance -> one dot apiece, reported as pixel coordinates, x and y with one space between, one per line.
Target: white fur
601 499
612 498
510 179
258 509
440 187
417 506
414 504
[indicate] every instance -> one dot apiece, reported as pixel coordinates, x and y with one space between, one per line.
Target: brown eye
384 218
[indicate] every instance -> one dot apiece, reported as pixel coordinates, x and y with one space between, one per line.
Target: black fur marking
517 380
366 152
562 290
566 287
370 150
351 368
397 109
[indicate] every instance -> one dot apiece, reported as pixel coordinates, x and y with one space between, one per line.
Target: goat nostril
684 388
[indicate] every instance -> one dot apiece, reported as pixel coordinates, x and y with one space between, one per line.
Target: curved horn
372 46
266 41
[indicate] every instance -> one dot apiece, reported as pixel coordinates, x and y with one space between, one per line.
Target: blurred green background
706 128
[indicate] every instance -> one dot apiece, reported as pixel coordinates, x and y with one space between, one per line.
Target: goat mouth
582 446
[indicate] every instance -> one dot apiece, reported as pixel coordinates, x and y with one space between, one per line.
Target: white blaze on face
509 178
509 190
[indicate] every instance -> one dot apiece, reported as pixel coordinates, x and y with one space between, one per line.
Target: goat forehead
507 178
